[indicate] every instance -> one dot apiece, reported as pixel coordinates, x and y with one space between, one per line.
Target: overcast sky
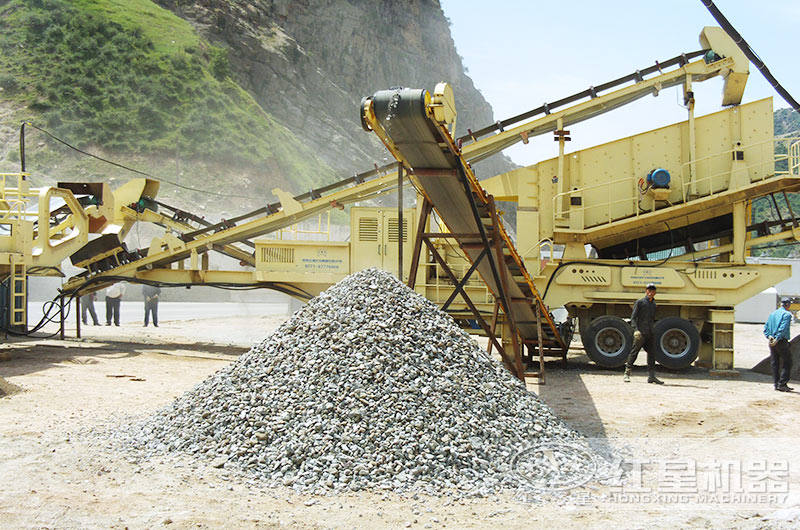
521 54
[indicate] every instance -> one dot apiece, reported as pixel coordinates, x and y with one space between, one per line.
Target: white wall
755 310
790 287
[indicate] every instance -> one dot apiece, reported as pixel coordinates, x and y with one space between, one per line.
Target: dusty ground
55 473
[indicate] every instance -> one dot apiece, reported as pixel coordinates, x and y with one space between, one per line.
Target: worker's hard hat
651 287
786 301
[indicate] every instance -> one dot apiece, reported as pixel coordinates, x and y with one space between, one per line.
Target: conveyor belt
222 235
591 92
447 181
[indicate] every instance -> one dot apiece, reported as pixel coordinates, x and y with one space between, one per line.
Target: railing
307 231
612 191
774 157
15 197
540 245
793 160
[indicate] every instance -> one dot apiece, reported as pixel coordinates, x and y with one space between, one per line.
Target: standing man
113 300
87 305
151 293
642 319
776 330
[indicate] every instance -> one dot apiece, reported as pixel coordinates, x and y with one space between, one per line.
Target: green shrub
9 83
220 66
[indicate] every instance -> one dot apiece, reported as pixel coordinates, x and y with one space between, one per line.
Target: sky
521 54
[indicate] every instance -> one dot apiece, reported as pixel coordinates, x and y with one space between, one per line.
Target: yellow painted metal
303 286
28 238
167 221
298 231
727 278
715 38
630 297
129 193
584 274
640 277
18 293
170 249
703 284
722 322
606 177
444 105
697 70
604 182
304 257
374 238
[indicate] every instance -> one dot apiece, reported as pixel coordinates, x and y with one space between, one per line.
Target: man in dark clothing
151 293
87 306
642 319
113 301
776 329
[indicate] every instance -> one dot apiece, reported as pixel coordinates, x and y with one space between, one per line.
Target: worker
776 329
642 319
87 305
151 293
113 301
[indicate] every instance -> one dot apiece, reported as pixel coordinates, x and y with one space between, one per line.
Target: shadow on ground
26 356
566 393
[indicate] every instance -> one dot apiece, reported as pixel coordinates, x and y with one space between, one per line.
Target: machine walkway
406 121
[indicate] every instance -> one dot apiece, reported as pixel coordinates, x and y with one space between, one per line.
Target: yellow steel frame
170 249
694 71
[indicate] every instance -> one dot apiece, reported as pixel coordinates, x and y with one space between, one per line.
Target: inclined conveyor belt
464 207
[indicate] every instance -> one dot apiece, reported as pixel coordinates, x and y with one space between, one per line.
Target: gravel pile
369 386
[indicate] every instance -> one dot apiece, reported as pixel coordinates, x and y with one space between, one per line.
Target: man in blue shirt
777 332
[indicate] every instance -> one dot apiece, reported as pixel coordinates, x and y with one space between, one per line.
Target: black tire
677 342
607 341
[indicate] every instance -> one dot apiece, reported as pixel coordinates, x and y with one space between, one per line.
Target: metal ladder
18 293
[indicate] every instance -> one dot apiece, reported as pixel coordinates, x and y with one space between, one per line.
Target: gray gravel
369 386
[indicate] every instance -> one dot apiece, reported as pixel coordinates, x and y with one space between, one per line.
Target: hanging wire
132 170
750 53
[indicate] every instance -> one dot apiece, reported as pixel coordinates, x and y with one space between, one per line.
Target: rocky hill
216 94
787 122
310 62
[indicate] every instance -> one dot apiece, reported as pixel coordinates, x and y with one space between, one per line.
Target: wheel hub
675 342
609 341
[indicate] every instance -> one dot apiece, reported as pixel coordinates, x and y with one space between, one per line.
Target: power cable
750 53
126 168
68 297
630 263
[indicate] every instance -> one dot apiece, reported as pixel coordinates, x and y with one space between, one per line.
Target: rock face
309 62
370 386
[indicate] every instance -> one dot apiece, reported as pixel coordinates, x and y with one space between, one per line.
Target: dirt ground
56 472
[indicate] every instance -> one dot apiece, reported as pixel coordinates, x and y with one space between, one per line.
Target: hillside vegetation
134 78
787 122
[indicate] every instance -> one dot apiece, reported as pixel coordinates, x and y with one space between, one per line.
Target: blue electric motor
658 178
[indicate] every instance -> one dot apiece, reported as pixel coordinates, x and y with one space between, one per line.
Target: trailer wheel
607 341
677 342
